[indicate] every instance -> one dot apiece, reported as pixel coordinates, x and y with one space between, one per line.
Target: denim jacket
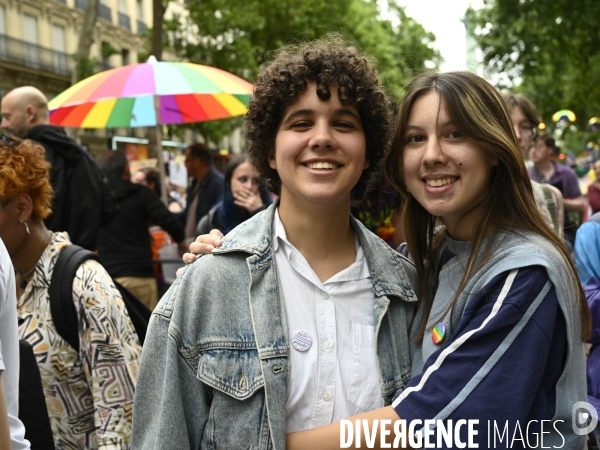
214 364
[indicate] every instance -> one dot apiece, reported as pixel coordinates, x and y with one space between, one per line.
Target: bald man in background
82 201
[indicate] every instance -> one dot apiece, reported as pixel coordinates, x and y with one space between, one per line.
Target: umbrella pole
161 166
159 151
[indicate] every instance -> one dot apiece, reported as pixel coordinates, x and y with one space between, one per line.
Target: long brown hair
479 112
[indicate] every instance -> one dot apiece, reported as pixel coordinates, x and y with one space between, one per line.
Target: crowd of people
296 316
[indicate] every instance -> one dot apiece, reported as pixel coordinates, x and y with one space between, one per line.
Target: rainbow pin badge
438 333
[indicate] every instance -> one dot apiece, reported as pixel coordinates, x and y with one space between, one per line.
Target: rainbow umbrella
594 123
564 115
149 94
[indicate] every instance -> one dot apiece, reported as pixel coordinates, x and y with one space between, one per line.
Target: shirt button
326 396
328 344
325 295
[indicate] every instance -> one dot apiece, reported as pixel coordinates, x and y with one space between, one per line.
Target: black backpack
62 306
32 401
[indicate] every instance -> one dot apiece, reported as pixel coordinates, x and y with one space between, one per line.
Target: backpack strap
32 402
551 204
62 307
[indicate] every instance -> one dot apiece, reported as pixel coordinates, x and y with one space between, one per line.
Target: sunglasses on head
8 140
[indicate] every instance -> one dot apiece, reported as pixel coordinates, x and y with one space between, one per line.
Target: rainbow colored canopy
564 114
124 97
594 123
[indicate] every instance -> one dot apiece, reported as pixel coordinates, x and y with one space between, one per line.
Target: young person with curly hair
498 336
498 333
89 393
301 317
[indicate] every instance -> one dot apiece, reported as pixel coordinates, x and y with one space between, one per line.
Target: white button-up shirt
337 376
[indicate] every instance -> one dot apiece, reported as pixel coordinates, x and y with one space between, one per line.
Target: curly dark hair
327 62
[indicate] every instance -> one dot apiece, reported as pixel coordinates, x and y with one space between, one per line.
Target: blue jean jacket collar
255 236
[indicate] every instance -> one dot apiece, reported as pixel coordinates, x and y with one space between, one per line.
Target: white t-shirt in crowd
9 349
334 375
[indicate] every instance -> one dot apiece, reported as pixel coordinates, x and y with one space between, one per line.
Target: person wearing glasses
546 171
525 120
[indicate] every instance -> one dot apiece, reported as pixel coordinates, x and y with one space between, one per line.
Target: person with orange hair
89 392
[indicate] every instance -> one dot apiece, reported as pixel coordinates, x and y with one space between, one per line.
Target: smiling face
320 150
446 172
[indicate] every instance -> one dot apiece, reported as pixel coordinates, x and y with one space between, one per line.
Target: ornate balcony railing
124 21
141 26
33 56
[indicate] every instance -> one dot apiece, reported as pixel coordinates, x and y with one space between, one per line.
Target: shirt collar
356 271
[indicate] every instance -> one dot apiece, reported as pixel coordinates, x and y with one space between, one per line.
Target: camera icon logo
584 418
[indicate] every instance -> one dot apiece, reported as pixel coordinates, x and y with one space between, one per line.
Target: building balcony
141 26
124 21
30 55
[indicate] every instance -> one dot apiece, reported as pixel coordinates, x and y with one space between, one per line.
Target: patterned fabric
89 395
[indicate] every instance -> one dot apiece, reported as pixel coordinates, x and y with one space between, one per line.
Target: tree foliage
552 46
241 35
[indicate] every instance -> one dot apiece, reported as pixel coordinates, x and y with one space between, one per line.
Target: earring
27 228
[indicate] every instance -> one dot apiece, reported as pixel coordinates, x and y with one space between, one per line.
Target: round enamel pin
301 341
438 333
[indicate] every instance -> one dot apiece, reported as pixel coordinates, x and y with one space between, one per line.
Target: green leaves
554 47
240 36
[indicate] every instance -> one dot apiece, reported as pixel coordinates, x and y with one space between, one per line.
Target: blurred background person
546 171
593 195
205 191
82 201
587 262
243 197
89 392
525 121
150 177
125 244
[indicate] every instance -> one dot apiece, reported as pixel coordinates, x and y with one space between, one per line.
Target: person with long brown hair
499 328
498 334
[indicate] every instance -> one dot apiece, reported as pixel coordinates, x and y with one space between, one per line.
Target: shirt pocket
365 386
237 414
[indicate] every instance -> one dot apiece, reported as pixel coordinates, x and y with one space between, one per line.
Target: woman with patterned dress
89 392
